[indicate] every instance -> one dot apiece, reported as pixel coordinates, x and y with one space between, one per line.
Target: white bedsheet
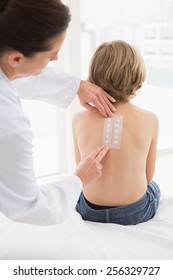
78 239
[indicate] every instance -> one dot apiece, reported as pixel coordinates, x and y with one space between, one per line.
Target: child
125 193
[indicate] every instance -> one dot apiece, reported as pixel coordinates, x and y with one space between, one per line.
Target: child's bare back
128 169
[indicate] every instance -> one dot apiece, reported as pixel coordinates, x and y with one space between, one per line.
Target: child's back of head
118 68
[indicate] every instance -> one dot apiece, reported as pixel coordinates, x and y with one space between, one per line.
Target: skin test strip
112 132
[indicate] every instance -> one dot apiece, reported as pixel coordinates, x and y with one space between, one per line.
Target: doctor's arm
60 89
22 200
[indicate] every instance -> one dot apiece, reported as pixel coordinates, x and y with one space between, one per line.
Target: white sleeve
51 86
21 199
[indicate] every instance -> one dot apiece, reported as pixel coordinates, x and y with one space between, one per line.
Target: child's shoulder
151 116
79 116
148 114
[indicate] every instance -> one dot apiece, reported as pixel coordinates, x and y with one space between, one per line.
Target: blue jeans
138 212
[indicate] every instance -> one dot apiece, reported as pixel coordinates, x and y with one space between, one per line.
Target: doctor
31 35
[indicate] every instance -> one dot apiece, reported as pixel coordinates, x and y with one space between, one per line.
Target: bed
76 239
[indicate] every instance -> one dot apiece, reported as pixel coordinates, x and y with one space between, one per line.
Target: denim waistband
139 204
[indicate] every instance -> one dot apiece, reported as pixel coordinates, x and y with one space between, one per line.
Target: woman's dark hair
29 26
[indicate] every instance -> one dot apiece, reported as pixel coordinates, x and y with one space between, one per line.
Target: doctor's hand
90 169
95 99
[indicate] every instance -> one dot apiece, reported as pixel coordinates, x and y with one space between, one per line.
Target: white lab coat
21 199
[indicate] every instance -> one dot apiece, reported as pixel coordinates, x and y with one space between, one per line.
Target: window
44 123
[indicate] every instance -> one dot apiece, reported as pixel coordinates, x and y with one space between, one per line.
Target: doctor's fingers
100 105
96 152
89 170
102 102
101 154
94 98
100 166
94 165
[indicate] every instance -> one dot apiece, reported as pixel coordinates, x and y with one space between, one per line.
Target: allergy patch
112 132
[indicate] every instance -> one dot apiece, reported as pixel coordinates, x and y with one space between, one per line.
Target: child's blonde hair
118 68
